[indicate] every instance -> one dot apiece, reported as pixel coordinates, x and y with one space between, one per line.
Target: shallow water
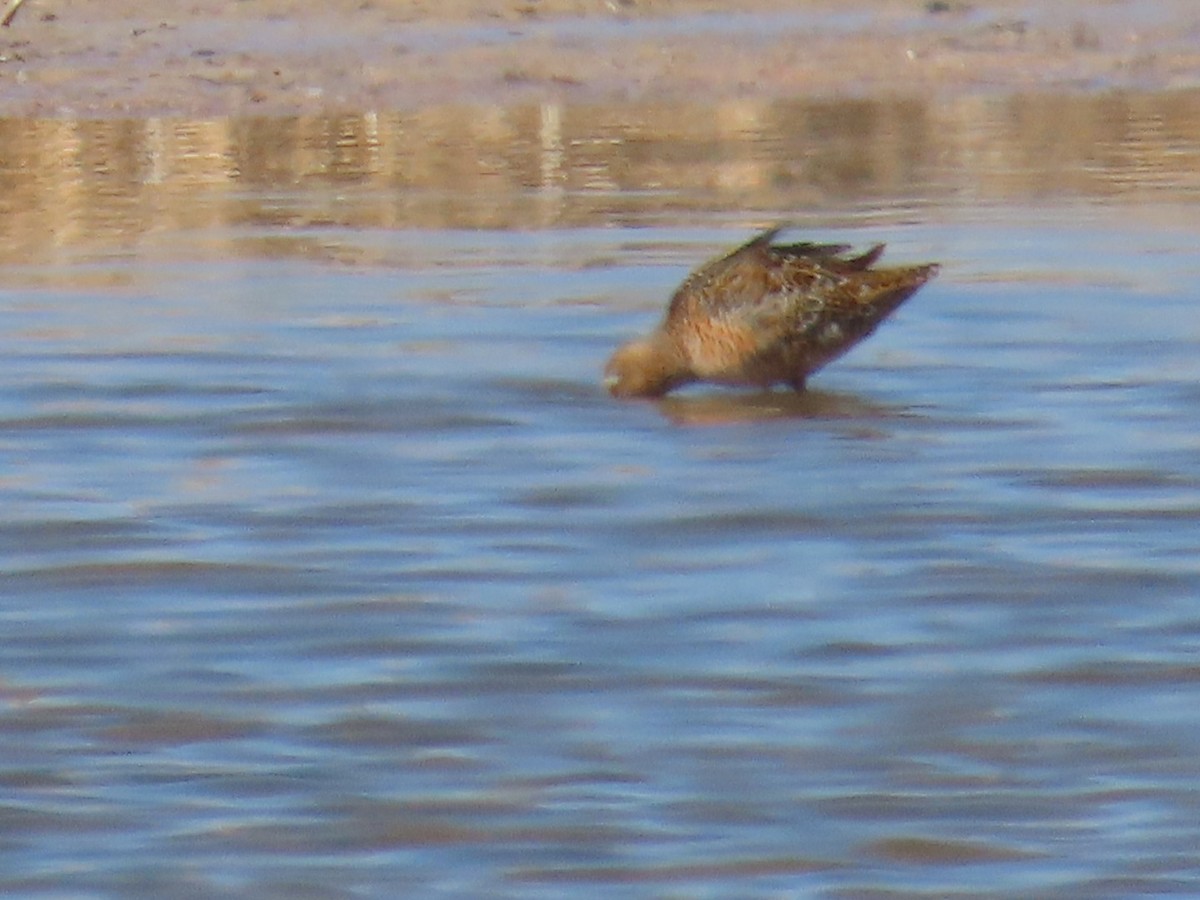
329 570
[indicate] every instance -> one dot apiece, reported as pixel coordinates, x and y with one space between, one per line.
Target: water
330 571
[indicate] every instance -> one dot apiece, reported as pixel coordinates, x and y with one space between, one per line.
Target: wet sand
121 58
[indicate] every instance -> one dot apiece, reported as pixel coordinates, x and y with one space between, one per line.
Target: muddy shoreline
118 58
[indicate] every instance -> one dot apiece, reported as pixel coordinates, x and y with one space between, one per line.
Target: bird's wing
801 301
762 297
760 287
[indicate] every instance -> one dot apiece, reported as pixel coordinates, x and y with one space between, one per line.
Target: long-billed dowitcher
762 315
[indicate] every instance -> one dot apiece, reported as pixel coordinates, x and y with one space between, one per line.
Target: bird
764 314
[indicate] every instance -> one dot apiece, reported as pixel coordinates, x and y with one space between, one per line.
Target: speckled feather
763 315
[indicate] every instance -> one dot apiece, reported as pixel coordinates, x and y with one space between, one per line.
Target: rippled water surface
330 571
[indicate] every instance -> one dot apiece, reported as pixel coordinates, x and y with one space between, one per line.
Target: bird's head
646 367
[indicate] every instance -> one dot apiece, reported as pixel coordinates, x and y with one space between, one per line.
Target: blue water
329 570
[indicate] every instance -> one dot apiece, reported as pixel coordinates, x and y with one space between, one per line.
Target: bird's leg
798 383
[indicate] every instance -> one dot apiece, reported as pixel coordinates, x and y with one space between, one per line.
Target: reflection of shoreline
114 185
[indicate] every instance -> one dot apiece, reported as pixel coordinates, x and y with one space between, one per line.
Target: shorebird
763 315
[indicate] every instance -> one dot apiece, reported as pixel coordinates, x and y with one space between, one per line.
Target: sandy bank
105 58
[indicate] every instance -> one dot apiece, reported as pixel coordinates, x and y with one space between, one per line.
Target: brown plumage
762 315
